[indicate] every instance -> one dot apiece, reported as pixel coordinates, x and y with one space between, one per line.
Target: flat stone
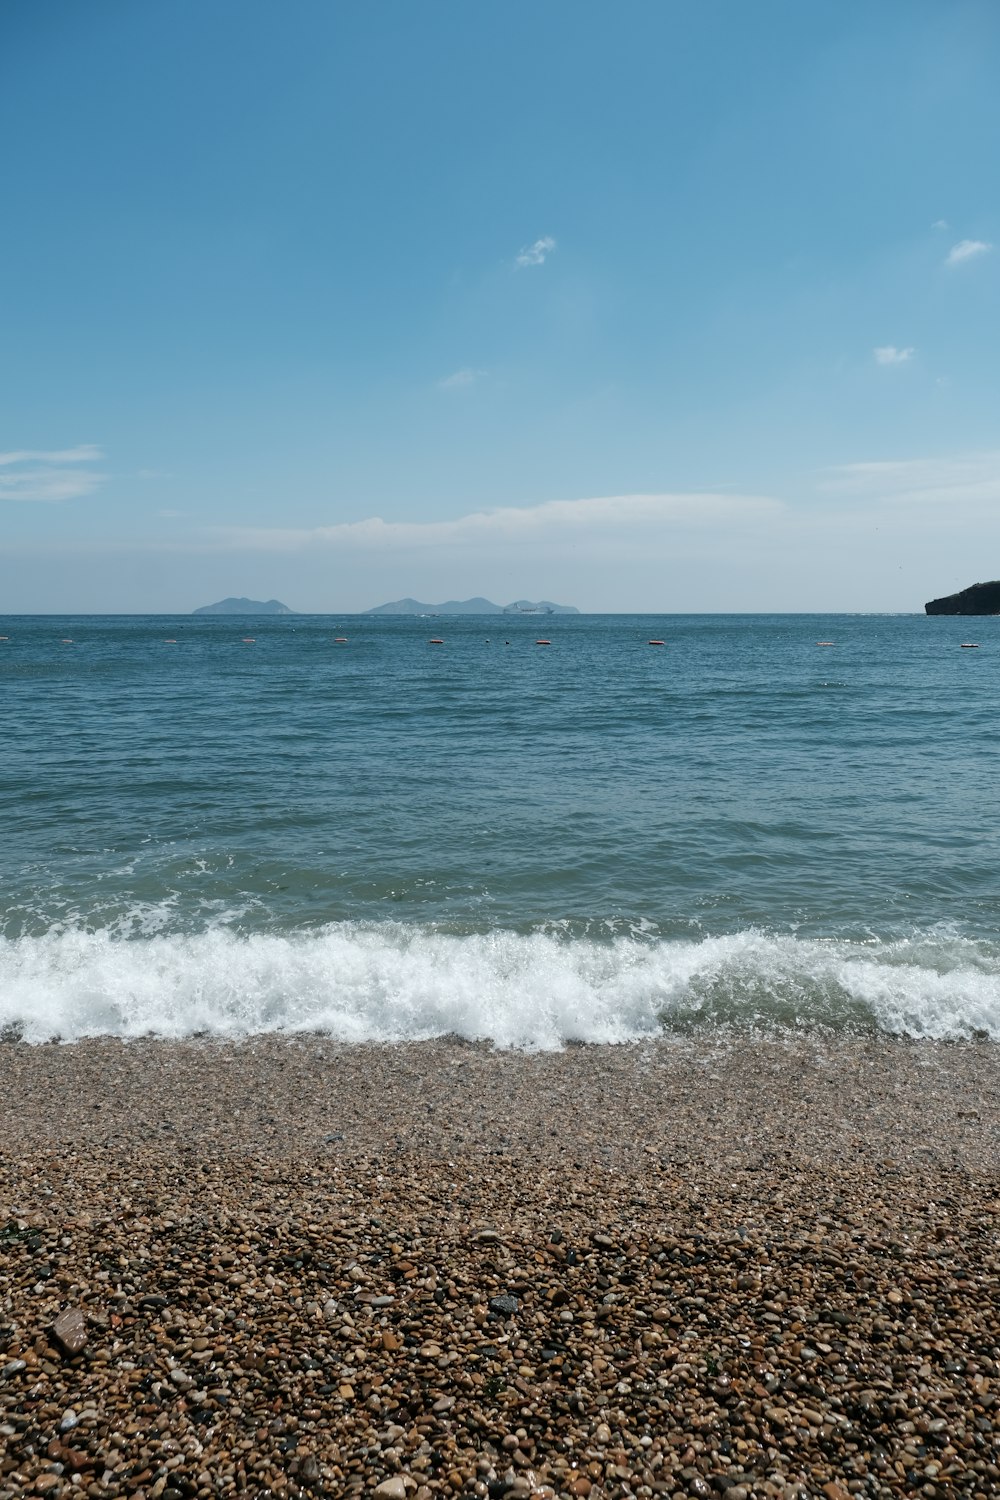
68 1420
14 1367
392 1489
70 1330
504 1307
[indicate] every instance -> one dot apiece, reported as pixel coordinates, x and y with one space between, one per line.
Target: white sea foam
391 983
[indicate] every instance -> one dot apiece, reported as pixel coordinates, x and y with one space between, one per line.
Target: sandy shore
681 1268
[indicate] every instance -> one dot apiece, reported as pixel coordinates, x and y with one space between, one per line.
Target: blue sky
666 306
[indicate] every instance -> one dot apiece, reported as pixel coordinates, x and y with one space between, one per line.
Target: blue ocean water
233 825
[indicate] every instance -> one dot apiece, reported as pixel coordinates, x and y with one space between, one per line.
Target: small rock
309 1469
70 1330
504 1307
392 1489
68 1420
488 1237
181 1380
13 1368
603 1242
443 1404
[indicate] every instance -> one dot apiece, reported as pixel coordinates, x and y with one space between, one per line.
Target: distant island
977 599
473 607
245 607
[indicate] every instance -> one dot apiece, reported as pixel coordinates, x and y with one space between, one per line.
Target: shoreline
819 1096
678 1268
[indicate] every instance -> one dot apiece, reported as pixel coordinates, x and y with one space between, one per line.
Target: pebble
504 1307
738 1300
70 1330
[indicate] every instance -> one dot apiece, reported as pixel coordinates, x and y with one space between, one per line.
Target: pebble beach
289 1267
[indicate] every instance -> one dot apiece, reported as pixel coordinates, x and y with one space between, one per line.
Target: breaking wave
390 982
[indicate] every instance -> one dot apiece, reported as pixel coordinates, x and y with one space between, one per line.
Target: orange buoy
543 643
970 645
436 641
656 643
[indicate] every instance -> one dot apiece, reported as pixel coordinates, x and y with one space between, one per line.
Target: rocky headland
977 599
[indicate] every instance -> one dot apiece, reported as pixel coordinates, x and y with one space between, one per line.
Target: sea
531 831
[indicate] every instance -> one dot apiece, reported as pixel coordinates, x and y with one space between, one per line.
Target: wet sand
761 1267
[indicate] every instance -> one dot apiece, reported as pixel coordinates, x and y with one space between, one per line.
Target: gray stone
504 1307
392 1489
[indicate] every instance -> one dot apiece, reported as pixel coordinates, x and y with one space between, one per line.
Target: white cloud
554 520
940 224
86 453
970 479
48 475
535 255
460 379
888 354
967 250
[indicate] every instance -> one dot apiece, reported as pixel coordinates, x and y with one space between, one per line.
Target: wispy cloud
961 479
86 453
554 520
940 224
888 354
967 250
536 254
460 378
48 475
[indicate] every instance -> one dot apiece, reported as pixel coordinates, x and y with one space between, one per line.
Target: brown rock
70 1330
